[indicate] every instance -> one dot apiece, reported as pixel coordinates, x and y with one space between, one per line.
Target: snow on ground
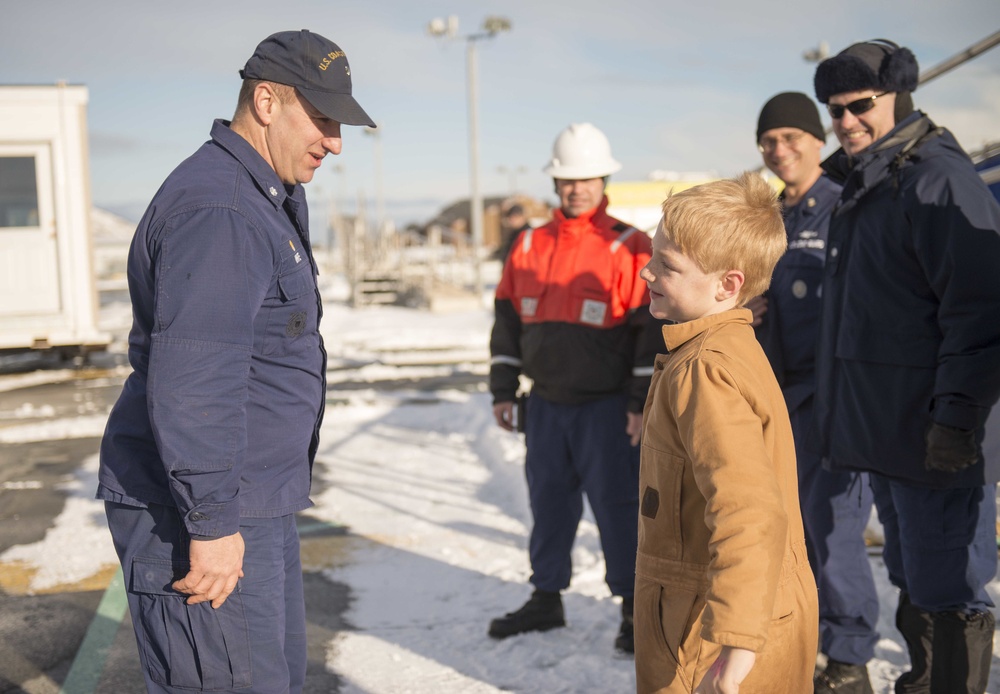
437 489
434 495
78 545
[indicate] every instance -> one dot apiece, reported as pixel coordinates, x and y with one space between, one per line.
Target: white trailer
48 292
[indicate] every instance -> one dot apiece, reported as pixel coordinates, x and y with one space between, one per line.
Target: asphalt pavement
77 638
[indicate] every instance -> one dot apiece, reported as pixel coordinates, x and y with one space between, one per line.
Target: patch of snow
80 427
78 544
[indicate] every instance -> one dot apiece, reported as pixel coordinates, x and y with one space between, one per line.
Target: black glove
950 449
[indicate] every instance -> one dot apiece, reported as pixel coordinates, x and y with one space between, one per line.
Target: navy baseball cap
315 66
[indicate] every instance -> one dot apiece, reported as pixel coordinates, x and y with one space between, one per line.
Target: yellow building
638 202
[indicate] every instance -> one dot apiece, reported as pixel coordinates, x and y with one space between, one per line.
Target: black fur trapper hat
877 64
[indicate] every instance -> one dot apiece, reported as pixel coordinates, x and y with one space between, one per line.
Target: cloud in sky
674 85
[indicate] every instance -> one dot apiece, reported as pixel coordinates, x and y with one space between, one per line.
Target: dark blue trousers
572 450
254 644
835 508
940 544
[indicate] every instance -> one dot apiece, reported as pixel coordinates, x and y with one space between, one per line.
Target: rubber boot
625 641
842 678
963 649
917 628
542 612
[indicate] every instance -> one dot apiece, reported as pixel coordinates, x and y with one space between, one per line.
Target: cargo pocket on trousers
189 646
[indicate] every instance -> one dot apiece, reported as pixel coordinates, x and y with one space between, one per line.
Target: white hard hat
581 151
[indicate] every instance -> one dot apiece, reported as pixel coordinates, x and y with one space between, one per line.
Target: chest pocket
291 312
296 282
661 484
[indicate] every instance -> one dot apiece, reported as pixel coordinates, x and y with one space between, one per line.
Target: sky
434 496
675 86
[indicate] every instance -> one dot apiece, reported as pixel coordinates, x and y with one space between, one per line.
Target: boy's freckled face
678 289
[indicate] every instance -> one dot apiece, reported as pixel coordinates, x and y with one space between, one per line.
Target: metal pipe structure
959 58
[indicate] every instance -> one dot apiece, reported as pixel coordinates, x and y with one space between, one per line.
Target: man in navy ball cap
315 66
208 453
908 360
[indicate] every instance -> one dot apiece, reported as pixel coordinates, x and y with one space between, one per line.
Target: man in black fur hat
908 362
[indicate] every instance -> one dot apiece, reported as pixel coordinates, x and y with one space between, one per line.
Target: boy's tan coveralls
722 557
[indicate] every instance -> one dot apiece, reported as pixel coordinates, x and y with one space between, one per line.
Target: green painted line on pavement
311 526
88 664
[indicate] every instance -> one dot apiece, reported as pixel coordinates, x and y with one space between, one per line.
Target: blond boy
725 600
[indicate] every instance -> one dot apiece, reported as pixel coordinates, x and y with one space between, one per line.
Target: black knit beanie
790 110
877 64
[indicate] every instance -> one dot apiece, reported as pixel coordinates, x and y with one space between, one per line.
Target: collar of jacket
583 222
260 171
676 334
840 165
869 168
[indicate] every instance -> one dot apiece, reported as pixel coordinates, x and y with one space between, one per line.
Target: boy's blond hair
733 224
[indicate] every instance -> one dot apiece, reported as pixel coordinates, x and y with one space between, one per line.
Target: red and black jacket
572 313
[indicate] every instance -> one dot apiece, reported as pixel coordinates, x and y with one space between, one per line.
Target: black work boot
625 641
842 678
963 649
917 628
542 612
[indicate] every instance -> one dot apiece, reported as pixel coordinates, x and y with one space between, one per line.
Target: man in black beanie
908 360
835 506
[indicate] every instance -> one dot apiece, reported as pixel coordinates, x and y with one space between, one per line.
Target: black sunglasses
856 107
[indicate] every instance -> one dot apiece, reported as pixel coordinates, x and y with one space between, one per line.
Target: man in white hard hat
572 315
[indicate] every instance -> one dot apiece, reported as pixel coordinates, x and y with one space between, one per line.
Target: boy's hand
634 427
727 672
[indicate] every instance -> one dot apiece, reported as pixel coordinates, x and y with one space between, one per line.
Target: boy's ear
730 285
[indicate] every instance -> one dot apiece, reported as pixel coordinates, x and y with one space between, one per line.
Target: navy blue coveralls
216 428
909 335
835 506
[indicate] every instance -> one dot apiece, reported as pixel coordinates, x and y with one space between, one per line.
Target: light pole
449 29
818 54
335 222
376 134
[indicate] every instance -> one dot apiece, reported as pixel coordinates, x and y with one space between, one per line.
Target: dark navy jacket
790 327
221 414
910 328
